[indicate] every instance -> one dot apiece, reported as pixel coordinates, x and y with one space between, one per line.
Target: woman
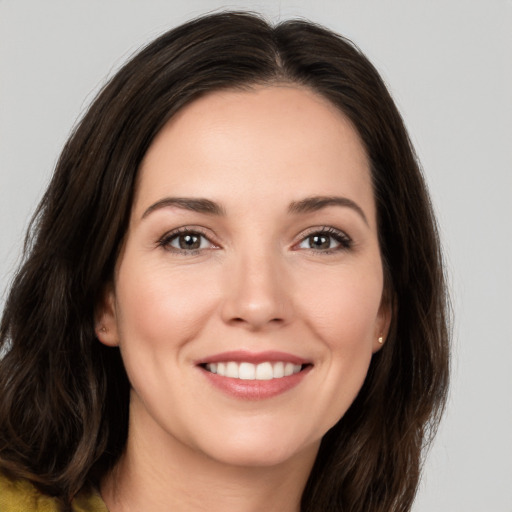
233 293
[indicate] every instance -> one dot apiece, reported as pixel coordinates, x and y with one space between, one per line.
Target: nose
257 295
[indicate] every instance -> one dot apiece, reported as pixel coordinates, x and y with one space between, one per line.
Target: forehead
273 141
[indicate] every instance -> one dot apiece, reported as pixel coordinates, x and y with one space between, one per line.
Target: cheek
158 307
344 310
345 317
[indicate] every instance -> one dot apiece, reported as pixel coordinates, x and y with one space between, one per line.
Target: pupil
320 241
189 242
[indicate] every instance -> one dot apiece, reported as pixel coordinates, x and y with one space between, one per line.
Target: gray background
449 67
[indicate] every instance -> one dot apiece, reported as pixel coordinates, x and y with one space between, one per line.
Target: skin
257 282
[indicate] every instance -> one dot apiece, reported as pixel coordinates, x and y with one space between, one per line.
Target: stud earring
381 340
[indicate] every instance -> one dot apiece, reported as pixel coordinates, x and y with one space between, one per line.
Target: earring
381 340
102 329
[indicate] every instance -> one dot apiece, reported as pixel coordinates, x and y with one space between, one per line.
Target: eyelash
344 241
166 240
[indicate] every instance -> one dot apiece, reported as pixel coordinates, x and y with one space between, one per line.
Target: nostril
240 320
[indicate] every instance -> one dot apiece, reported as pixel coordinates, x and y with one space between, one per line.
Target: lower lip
255 389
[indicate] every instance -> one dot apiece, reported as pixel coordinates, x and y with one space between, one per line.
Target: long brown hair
64 395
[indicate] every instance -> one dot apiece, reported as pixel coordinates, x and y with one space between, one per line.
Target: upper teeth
249 371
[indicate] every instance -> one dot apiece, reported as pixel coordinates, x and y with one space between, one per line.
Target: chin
260 449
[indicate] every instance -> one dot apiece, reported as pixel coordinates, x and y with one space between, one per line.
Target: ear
382 323
105 319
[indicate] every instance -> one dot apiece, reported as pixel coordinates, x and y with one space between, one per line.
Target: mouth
266 370
245 375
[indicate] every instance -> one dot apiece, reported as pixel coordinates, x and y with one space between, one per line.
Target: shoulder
21 496
88 500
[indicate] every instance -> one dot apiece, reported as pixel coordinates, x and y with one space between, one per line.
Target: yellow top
22 496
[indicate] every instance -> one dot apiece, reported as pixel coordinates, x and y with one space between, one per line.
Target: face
247 300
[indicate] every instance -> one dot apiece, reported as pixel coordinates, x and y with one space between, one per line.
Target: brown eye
186 241
326 240
319 242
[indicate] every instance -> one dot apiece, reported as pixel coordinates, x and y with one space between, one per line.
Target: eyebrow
307 205
185 203
315 203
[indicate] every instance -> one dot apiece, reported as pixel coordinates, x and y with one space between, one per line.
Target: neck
158 473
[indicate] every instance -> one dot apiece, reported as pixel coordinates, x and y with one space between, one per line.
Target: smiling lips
250 376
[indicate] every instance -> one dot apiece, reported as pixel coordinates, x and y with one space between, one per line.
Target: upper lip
243 356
